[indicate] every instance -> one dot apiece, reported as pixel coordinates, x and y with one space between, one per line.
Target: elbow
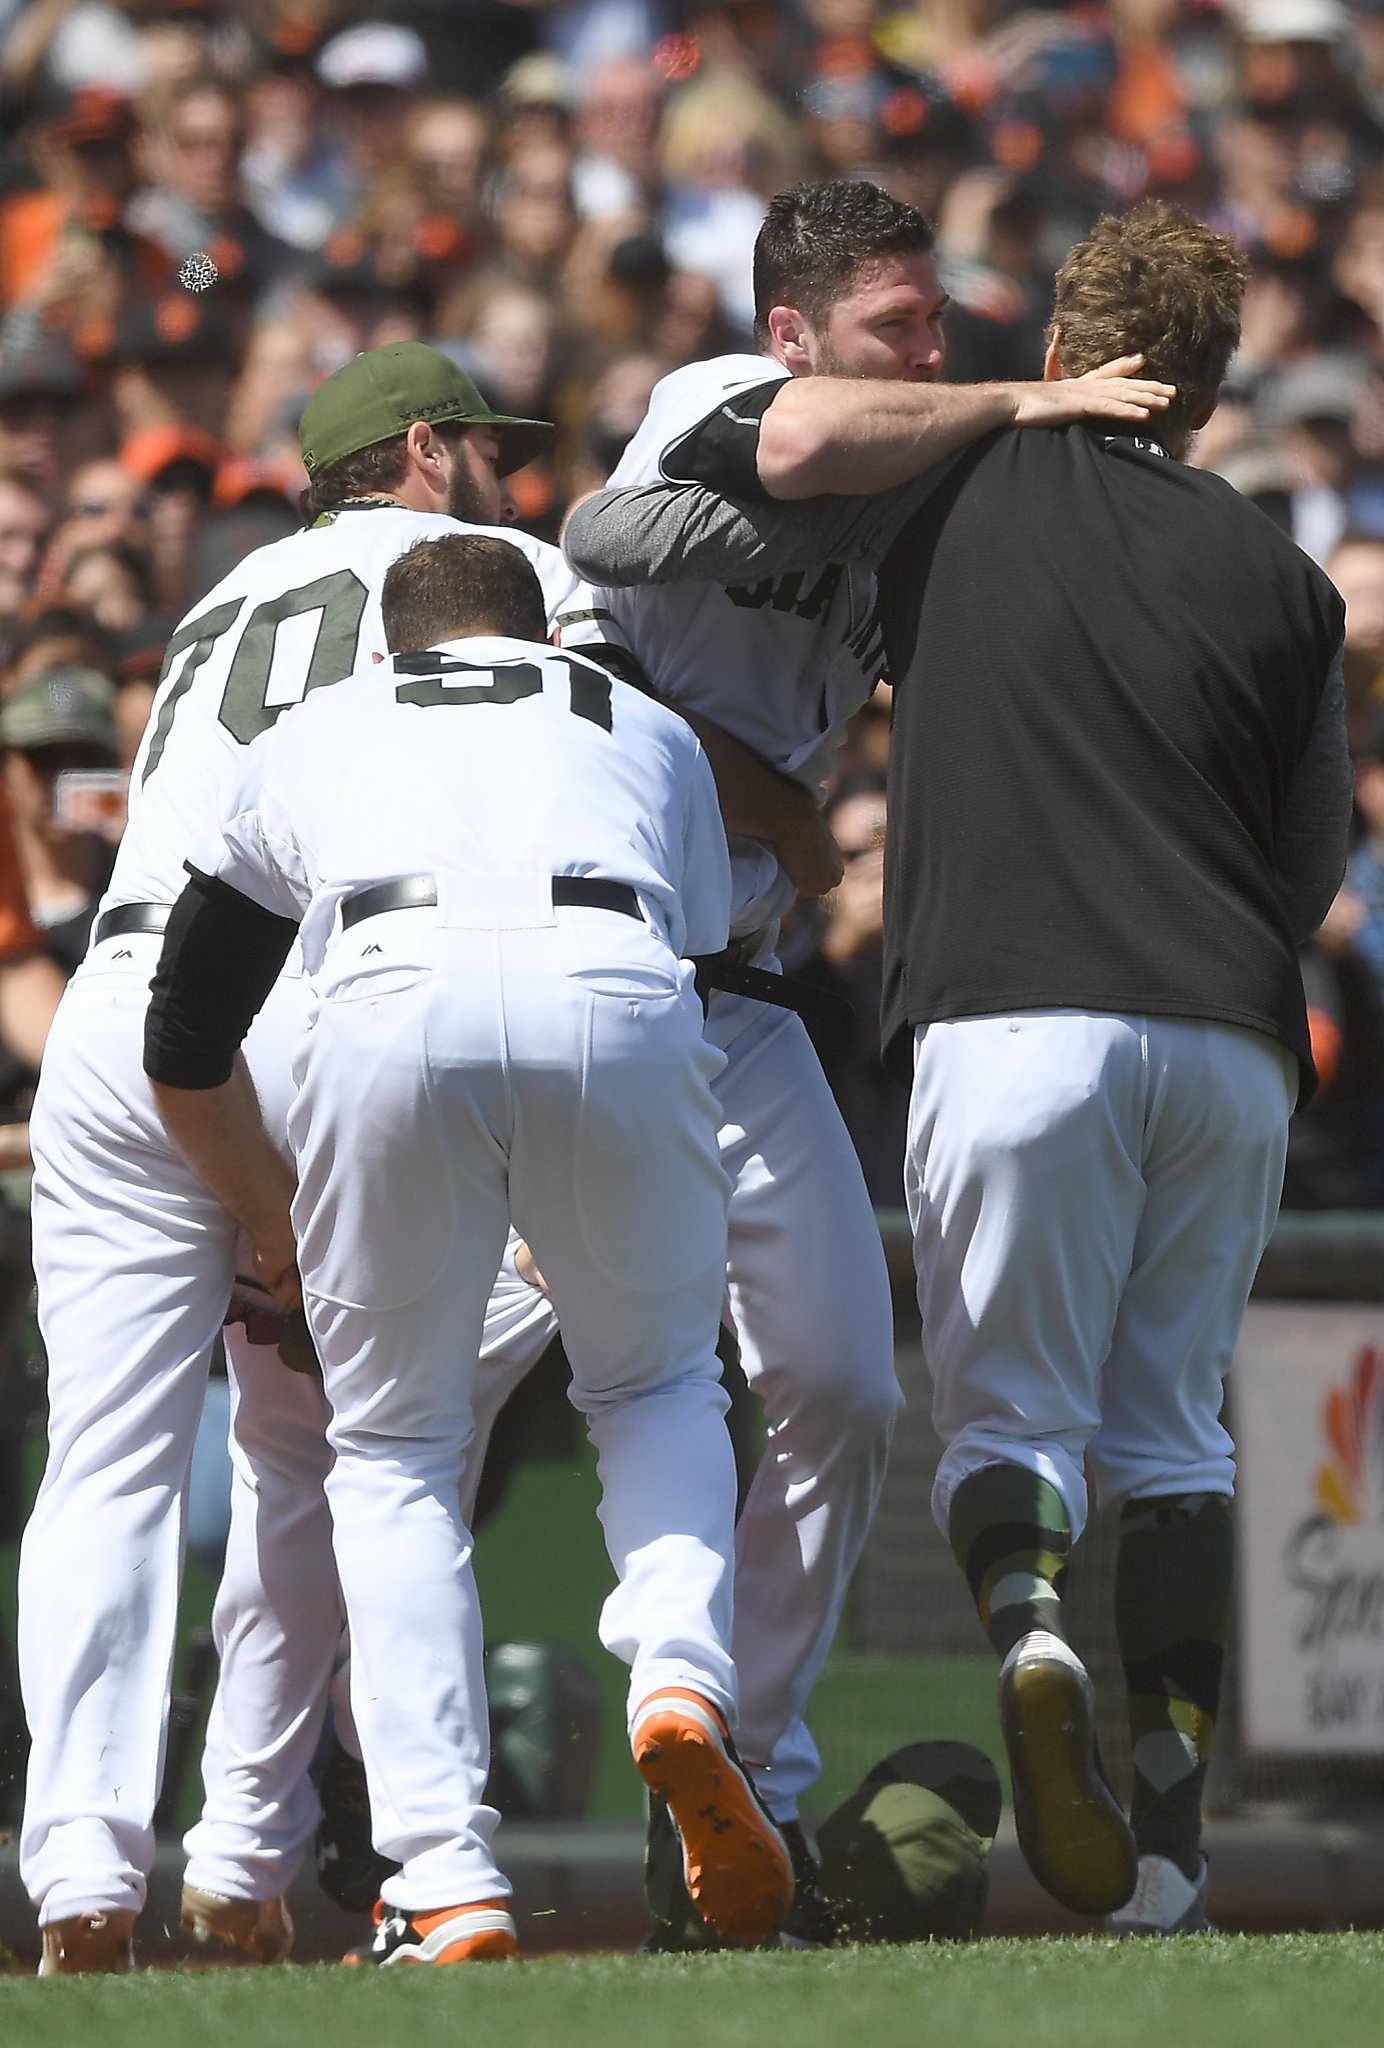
596 543
581 542
792 456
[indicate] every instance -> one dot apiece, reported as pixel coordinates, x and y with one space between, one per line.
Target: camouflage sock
1011 1536
1173 1580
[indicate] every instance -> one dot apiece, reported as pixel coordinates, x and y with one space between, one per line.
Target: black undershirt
722 451
221 956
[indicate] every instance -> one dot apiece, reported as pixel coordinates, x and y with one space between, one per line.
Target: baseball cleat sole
258 1928
738 1871
1071 1829
89 1945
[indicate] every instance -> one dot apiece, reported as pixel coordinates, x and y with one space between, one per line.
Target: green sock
1010 1535
1173 1582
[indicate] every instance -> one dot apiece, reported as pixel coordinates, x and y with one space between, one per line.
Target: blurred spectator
291 171
57 636
192 203
112 583
68 256
1356 567
104 503
58 726
38 390
1313 405
615 405
534 215
24 524
278 373
445 145
177 467
1357 918
617 169
1336 1157
534 105
727 147
848 963
31 987
1336 1145
172 364
371 72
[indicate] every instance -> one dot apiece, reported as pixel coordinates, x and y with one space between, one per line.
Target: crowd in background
205 208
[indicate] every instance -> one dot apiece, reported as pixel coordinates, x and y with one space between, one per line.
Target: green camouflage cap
905 1858
67 706
381 393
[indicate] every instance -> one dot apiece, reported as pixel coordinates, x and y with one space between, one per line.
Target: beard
466 497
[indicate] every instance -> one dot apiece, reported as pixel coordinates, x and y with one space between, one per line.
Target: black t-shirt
1107 667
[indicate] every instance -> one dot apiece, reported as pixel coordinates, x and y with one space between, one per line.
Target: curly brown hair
1160 283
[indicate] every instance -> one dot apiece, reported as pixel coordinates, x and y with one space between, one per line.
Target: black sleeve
221 956
722 452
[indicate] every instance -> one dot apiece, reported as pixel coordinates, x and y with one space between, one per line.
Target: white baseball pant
809 1296
557 1077
1090 1198
809 1293
134 1262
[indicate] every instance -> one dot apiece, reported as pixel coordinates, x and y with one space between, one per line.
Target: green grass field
1225 1992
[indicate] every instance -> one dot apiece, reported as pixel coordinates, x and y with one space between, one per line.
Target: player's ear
423 445
788 338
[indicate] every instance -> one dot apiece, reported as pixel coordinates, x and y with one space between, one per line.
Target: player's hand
1342 923
808 854
1113 392
526 1266
855 911
276 1268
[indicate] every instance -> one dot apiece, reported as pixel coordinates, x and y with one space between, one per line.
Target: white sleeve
706 863
256 850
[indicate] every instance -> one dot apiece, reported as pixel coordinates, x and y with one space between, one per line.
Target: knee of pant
852 1390
1061 1465
1119 1475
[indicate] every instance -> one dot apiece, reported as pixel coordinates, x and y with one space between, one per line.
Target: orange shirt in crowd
18 935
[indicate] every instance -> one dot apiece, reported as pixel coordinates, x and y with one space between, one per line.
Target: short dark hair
377 468
463 583
817 239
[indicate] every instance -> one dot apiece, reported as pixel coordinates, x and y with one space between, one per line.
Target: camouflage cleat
258 1928
350 1869
1165 1901
1071 1829
91 1944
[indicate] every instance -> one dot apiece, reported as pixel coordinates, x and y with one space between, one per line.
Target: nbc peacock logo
1350 1483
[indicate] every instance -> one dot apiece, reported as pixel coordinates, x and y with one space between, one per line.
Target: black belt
131 917
728 972
417 892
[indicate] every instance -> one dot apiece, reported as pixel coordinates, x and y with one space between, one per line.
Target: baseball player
134 1259
491 1040
1119 801
846 288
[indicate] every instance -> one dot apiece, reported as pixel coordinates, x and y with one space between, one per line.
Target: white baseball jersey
782 664
543 765
290 618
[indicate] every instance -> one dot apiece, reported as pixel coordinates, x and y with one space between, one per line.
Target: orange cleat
737 1867
480 1933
